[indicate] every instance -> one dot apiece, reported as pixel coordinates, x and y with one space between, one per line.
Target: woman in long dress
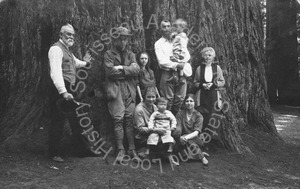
208 80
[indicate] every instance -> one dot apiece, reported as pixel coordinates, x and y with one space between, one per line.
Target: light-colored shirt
165 120
55 56
163 51
208 74
180 43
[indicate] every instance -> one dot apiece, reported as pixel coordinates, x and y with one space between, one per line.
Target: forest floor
274 163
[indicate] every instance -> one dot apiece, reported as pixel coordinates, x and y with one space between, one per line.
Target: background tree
233 28
281 50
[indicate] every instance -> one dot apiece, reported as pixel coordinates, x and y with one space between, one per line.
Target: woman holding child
189 125
142 115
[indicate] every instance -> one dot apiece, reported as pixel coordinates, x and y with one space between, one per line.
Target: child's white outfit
164 120
180 50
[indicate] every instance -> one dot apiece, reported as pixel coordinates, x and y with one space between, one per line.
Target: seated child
180 51
162 119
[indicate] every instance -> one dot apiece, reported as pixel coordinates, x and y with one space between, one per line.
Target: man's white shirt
55 56
163 51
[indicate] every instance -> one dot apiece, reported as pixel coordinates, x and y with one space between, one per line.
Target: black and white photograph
150 94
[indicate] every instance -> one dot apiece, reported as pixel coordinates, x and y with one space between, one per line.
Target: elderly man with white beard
63 66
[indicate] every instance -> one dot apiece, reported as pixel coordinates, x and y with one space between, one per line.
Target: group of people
165 115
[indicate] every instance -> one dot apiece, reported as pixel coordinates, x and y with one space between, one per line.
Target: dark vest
68 63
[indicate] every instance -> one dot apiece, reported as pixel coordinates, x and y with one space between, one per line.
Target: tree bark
28 31
232 28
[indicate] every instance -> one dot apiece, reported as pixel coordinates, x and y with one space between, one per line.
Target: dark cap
123 31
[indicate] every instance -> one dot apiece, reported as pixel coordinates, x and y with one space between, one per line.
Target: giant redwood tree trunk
28 30
232 28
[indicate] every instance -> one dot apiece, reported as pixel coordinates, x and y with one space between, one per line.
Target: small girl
146 77
180 50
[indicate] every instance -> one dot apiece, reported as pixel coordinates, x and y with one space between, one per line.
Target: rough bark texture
281 49
28 31
232 28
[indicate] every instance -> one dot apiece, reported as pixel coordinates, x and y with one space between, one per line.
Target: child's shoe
204 161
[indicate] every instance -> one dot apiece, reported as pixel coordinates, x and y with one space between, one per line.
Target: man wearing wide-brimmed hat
121 69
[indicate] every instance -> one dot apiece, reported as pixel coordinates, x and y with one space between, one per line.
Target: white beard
70 43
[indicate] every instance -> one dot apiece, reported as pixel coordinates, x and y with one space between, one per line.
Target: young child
180 51
164 119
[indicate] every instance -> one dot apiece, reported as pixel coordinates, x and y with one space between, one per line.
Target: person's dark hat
123 31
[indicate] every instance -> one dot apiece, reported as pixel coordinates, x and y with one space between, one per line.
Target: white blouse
208 74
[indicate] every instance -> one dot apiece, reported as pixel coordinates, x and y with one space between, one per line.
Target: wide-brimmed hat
123 31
